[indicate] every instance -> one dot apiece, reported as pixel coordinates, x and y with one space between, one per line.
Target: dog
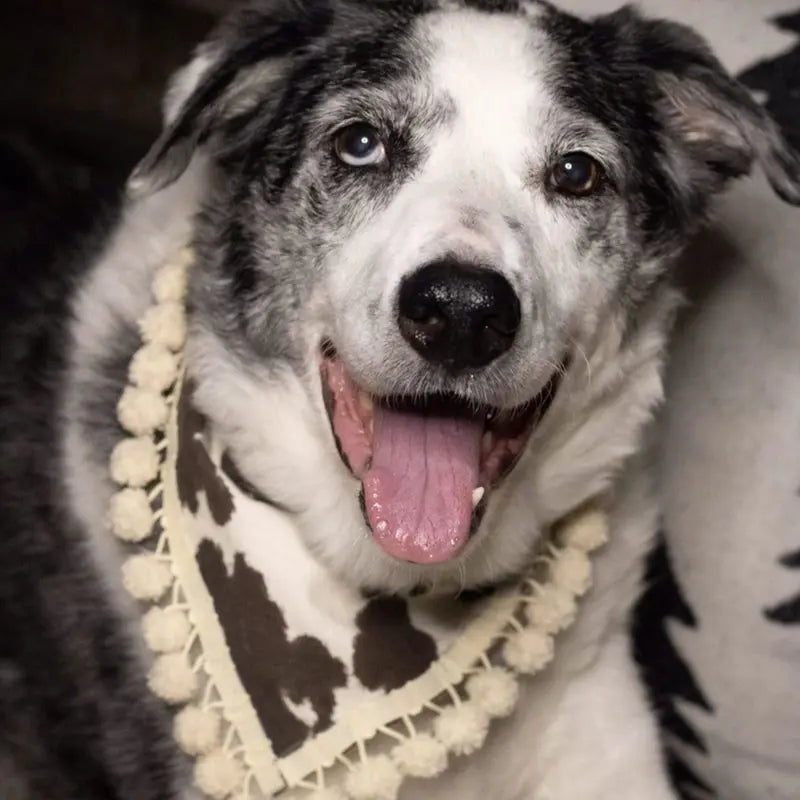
435 244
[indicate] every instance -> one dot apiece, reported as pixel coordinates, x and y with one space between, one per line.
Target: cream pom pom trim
130 515
166 630
494 691
421 743
219 774
154 367
141 411
198 730
462 728
134 462
375 779
422 756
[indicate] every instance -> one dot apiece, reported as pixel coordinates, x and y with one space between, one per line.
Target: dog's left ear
239 70
717 122
201 97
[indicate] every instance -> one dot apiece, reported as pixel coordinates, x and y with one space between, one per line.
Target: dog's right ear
236 71
720 126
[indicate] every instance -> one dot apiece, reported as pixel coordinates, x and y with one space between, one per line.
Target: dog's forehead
491 66
485 73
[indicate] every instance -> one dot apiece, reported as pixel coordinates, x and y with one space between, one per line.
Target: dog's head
438 240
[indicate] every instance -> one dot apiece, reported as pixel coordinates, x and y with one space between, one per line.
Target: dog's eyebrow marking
512 222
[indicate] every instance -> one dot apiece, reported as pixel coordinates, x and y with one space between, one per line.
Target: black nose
458 315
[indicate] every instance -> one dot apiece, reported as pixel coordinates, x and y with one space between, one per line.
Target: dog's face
431 224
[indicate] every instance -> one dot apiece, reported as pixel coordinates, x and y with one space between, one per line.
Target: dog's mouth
426 465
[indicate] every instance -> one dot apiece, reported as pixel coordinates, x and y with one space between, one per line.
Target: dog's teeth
477 496
487 443
365 401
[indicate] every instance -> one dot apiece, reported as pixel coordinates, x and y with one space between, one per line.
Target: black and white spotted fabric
719 630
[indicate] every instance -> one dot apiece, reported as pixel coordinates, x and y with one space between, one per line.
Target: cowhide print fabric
307 649
718 631
270 665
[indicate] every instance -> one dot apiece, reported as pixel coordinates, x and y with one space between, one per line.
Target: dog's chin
427 465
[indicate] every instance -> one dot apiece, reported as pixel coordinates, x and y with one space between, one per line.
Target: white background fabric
730 459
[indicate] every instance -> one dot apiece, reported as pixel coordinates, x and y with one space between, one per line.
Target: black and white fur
476 98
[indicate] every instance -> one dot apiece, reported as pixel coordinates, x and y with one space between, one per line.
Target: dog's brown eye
359 145
576 174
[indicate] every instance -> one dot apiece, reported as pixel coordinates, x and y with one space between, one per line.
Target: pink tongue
418 491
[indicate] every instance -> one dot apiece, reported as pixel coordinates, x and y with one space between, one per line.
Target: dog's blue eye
576 174
359 145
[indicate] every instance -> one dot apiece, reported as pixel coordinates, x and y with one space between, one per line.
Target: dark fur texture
76 718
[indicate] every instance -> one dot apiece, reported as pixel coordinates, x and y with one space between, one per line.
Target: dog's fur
476 98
